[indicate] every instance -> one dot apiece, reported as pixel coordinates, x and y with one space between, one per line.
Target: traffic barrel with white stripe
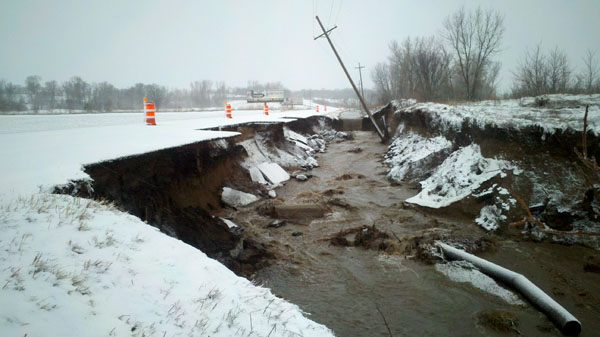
317 108
266 109
149 112
228 111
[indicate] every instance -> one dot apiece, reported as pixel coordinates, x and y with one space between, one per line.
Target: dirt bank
178 190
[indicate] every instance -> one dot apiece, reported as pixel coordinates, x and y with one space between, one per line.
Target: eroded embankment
503 171
177 190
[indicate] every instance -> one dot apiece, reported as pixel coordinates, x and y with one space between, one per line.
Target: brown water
352 290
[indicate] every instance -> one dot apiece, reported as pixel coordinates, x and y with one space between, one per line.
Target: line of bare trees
77 94
457 64
550 72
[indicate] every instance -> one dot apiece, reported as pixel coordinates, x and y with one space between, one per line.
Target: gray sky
175 42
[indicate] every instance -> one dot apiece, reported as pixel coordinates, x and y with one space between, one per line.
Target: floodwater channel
371 292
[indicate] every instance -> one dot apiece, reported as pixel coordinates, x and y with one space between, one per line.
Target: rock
276 223
237 198
341 134
301 177
296 233
272 194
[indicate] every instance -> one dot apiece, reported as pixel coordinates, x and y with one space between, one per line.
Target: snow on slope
407 151
558 113
74 267
458 176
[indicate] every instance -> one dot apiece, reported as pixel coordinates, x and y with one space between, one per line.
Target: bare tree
77 93
157 94
559 72
590 72
539 73
50 93
474 37
531 75
381 78
429 63
34 88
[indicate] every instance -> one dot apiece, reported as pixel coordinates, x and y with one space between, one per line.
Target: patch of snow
272 194
237 198
406 151
75 267
458 176
489 217
274 173
465 272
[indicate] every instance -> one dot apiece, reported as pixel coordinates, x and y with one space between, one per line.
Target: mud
370 251
344 245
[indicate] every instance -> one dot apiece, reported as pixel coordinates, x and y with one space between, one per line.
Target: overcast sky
175 42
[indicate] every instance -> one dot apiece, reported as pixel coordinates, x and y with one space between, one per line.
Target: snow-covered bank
458 176
74 267
51 150
481 157
550 113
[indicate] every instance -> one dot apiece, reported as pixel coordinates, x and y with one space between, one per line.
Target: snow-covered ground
74 267
50 150
558 112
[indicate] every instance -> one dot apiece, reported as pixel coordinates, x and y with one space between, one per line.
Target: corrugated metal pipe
568 324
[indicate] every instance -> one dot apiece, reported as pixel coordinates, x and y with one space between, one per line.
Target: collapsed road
339 239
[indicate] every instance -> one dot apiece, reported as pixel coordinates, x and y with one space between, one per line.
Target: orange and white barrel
266 109
149 112
317 109
325 108
228 111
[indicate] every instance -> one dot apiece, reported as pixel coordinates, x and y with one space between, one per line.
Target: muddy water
353 290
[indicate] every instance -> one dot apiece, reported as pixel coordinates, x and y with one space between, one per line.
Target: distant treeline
459 64
79 95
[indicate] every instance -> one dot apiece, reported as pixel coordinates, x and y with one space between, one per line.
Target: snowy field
558 112
74 267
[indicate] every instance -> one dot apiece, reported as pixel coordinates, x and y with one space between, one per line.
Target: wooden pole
381 135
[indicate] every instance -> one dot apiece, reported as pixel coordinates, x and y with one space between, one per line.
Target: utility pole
360 74
326 34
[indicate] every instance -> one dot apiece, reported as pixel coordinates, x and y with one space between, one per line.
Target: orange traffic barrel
149 111
266 109
228 111
317 108
324 107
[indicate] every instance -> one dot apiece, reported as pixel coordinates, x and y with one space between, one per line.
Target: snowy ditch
483 157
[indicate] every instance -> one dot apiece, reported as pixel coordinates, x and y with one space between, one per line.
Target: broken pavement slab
274 173
256 175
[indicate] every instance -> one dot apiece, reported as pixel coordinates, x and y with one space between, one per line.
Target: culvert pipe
568 324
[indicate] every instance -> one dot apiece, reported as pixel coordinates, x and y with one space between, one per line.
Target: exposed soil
370 251
344 245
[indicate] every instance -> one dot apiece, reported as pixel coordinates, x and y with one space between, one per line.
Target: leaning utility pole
326 34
